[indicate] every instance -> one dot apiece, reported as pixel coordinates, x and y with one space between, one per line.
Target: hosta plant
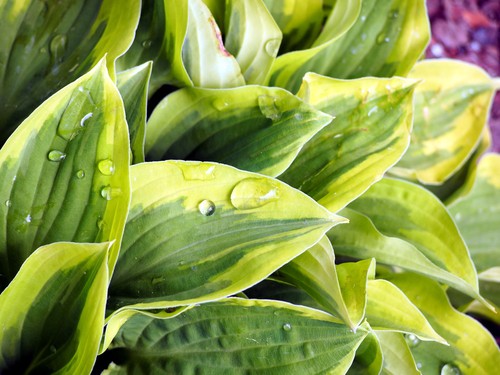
240 187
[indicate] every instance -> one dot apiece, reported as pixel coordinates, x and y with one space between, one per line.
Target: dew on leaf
287 327
85 118
108 192
198 171
8 203
56 155
450 369
206 207
57 47
254 193
268 107
220 104
80 174
412 340
272 46
106 167
146 43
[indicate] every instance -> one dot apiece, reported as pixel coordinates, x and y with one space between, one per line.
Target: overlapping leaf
133 86
385 40
477 214
238 336
472 349
46 45
53 311
404 225
64 172
371 131
255 128
397 356
369 357
451 109
202 231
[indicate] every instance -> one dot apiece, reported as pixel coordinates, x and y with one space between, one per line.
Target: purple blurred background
469 30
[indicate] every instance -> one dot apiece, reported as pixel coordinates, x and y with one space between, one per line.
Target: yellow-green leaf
397 356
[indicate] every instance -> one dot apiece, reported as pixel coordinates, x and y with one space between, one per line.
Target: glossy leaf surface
397 356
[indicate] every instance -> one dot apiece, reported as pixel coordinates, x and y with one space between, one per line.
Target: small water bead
56 156
206 207
254 193
272 47
412 340
8 203
85 118
382 38
80 174
57 46
28 218
108 192
287 327
298 116
395 14
372 111
308 350
198 171
269 107
106 167
157 280
450 369
146 43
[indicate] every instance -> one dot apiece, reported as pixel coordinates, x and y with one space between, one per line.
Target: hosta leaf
52 313
252 37
477 214
397 356
256 128
385 40
238 336
202 231
133 86
299 21
205 58
451 110
46 45
369 134
315 272
369 358
64 172
389 309
472 349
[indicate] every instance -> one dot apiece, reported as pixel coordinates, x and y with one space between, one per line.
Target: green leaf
477 214
368 359
256 128
370 133
299 21
472 349
389 309
252 37
133 86
397 356
65 173
52 313
201 231
451 110
315 272
385 40
46 45
238 336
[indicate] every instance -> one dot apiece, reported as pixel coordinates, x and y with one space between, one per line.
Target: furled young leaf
315 272
385 40
371 131
256 128
133 86
369 358
472 349
45 45
451 110
477 214
389 309
64 172
202 231
252 37
52 313
299 21
238 336
397 356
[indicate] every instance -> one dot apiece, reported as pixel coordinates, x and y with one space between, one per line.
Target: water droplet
287 327
157 280
450 369
395 14
198 171
363 36
194 268
372 110
353 50
426 113
85 118
298 116
272 47
419 365
57 47
253 193
182 263
28 218
146 43
80 174
100 223
108 192
56 155
458 216
269 108
382 38
308 350
362 18
8 203
206 207
106 167
73 68
53 349
412 340
220 104
340 135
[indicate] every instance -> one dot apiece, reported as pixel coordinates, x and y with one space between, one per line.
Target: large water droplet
412 340
85 118
80 174
269 107
450 369
287 327
106 167
108 192
253 193
198 171
56 155
220 104
272 47
57 47
206 207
